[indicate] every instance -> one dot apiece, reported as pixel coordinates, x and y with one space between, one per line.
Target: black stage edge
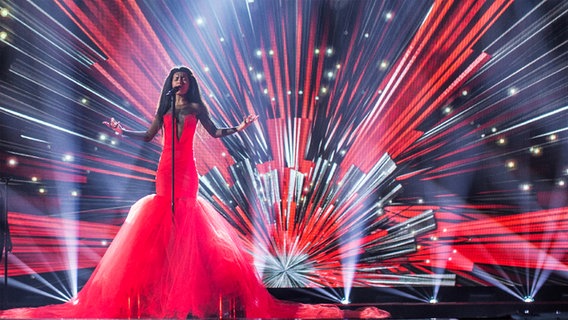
551 302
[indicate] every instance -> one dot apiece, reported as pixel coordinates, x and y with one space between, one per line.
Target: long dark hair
192 94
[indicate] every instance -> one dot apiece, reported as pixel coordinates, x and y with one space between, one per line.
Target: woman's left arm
216 132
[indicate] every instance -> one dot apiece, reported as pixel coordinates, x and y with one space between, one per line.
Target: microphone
173 91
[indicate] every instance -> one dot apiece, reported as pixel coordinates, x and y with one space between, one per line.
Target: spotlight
535 151
317 51
3 35
433 300
68 157
12 162
4 12
388 16
525 187
511 164
528 299
345 301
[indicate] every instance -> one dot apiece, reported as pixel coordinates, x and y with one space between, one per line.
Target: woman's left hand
247 122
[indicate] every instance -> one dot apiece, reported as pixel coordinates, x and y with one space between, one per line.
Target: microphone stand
174 131
6 240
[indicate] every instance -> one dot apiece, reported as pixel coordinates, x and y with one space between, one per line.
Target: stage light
74 193
323 90
535 151
433 300
3 35
501 141
206 69
528 299
302 92
34 179
552 137
388 16
329 52
12 162
317 51
222 39
42 191
525 187
259 76
513 91
271 52
84 100
345 301
259 53
383 65
366 35
68 158
4 12
447 110
511 165
561 183
464 93
200 21
103 137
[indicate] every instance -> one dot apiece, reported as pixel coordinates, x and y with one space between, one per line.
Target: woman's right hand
114 125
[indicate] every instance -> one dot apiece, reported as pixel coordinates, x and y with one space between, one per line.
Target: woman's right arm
147 135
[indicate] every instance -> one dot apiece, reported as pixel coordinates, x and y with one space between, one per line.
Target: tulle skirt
188 264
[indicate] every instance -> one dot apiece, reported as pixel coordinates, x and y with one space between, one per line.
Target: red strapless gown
187 264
